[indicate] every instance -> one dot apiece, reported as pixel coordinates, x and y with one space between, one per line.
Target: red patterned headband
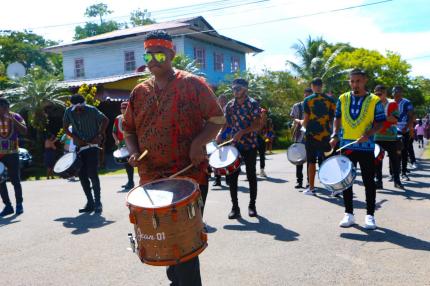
159 43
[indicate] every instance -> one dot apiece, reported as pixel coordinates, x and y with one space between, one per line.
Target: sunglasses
158 57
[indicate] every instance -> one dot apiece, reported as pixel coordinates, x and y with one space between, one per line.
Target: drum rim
118 150
297 162
75 158
221 148
180 203
332 158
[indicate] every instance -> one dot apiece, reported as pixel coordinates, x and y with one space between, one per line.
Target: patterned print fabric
404 107
389 130
240 117
320 109
166 123
9 136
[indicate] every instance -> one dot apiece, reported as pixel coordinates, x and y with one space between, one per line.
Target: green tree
92 29
141 18
185 63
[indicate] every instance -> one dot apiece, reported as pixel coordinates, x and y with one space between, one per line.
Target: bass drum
68 165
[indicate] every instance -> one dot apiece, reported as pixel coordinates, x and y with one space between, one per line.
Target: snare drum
379 154
211 147
68 165
167 221
337 174
296 154
3 173
121 155
225 160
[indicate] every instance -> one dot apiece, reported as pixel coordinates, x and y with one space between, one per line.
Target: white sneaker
262 173
347 221
369 222
309 192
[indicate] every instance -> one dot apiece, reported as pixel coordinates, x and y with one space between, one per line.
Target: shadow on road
8 220
325 195
386 235
408 193
272 180
265 226
84 222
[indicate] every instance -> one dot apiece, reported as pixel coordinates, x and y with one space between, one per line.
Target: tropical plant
185 63
141 18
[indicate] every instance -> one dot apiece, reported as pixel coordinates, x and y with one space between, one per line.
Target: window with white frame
235 64
200 57
129 61
79 68
218 62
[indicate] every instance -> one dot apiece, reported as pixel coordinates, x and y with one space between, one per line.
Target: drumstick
328 153
142 155
225 143
149 197
181 171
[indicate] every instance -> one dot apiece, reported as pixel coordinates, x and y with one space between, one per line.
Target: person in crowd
11 126
49 155
261 137
420 131
88 129
172 115
360 114
222 101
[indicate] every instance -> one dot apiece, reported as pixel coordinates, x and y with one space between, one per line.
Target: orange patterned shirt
166 122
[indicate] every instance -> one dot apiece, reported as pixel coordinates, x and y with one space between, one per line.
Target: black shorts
315 150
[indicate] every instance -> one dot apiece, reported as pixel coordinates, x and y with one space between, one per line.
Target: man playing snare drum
173 115
118 136
360 114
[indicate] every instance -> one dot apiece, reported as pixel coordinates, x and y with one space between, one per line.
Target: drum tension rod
191 211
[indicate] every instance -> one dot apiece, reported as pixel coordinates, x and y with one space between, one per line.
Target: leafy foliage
185 63
89 93
141 18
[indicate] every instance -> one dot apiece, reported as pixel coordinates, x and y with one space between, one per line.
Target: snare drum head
335 169
121 153
296 152
161 193
211 147
377 150
64 162
223 157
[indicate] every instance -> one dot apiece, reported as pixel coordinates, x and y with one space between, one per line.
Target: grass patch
426 154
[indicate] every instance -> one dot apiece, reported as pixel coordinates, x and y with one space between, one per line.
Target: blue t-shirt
405 106
354 110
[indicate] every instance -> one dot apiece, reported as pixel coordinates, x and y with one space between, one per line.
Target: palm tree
183 62
314 63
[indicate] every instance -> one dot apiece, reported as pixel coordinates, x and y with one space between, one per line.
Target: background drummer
89 127
118 136
243 117
173 115
360 114
319 113
298 135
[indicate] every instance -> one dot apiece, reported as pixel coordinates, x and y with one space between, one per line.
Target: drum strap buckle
191 211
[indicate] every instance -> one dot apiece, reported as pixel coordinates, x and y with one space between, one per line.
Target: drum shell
73 170
303 157
171 234
121 160
340 186
230 169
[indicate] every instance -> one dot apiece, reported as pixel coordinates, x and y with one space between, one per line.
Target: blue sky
401 26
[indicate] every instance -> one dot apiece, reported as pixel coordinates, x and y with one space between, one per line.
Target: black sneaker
19 209
379 185
8 209
216 184
89 207
128 186
98 208
235 213
252 211
405 177
298 185
399 185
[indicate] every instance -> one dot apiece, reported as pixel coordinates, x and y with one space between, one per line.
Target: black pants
89 172
262 152
130 173
411 151
188 273
299 173
407 144
11 162
250 159
391 148
367 167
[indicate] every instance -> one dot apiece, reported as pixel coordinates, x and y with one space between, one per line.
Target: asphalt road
295 240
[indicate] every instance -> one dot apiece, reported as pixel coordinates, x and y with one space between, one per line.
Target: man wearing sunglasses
386 137
243 116
118 136
173 115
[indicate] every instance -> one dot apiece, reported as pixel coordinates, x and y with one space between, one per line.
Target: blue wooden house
110 60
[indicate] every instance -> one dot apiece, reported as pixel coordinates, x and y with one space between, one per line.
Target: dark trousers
411 151
185 274
299 174
130 173
188 273
367 167
88 172
11 162
391 148
262 152
250 159
407 144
